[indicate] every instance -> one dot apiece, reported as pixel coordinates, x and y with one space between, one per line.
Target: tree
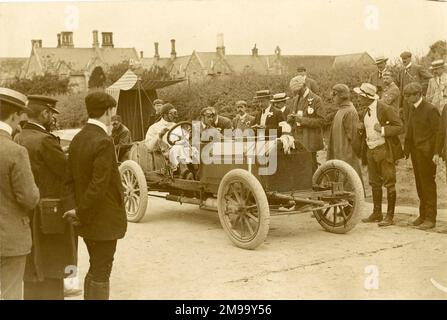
97 79
48 84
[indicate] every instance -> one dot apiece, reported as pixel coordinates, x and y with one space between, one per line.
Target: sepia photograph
223 150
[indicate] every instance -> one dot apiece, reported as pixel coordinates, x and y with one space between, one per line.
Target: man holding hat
98 200
242 120
267 117
279 101
437 86
379 131
18 197
307 117
343 140
390 91
420 143
310 83
376 78
53 237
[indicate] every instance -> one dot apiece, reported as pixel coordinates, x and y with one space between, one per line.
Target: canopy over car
135 97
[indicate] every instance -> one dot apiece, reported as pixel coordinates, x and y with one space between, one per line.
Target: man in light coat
18 198
437 86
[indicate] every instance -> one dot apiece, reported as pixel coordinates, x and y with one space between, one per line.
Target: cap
39 103
405 54
158 101
99 101
342 89
116 117
208 110
301 69
166 108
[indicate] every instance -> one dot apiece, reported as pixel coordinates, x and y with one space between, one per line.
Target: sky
380 27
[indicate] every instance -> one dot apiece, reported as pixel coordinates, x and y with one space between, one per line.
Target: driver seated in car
156 138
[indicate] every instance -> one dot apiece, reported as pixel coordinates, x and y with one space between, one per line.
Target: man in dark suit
310 83
411 72
242 120
380 127
420 144
279 101
307 117
18 197
267 117
53 245
99 199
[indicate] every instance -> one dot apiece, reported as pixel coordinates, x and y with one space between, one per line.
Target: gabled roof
179 64
353 59
246 63
291 63
11 67
80 59
208 60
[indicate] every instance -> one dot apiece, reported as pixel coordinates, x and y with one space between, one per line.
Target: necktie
369 112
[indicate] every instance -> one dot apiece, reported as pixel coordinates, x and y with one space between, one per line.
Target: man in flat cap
437 86
376 78
390 92
420 144
267 116
411 72
53 237
344 143
379 133
242 120
18 197
310 83
98 204
307 117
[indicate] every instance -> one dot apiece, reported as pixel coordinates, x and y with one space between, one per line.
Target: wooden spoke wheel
135 190
346 196
243 209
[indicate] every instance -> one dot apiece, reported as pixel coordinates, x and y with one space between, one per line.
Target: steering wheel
172 137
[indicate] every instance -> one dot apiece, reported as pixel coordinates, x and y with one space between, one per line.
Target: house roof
80 59
353 59
11 67
291 62
243 63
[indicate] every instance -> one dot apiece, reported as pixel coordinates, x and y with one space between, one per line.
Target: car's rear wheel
243 209
346 198
135 190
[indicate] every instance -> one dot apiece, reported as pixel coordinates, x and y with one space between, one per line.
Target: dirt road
180 252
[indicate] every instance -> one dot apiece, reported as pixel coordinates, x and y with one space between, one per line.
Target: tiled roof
247 63
352 59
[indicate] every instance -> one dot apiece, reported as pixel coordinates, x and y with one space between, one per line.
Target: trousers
101 255
12 270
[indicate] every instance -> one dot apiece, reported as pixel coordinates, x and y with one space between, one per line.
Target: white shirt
373 138
99 124
418 102
5 127
283 108
39 125
264 116
408 66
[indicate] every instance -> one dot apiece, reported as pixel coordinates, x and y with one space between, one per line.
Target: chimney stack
36 43
278 51
220 49
254 51
173 53
141 54
156 54
67 39
107 39
95 39
59 41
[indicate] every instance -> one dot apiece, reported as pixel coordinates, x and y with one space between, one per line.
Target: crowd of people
54 196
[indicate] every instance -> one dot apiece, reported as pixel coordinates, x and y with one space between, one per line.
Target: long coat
51 253
18 198
393 127
310 131
93 176
344 143
415 73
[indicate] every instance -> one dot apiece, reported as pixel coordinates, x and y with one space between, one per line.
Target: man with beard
54 247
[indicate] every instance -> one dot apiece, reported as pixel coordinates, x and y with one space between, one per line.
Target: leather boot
87 287
376 216
99 290
391 196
